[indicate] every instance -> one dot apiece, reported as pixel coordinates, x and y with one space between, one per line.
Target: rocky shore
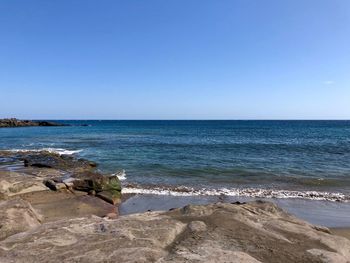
57 208
13 122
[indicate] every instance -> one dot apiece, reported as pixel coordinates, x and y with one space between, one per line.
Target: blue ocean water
277 155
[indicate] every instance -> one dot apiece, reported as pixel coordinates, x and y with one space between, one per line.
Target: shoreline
138 199
57 203
141 203
326 213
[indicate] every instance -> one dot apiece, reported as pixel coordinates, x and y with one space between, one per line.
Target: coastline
52 202
326 213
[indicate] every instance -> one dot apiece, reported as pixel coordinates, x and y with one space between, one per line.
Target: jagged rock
251 232
17 216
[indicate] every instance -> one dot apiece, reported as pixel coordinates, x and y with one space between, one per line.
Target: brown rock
251 232
110 197
112 216
17 216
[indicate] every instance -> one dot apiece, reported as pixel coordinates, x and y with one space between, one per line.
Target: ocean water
285 159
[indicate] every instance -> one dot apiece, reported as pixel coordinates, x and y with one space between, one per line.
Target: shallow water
291 157
330 214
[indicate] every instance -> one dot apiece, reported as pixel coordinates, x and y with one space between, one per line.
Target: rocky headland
13 122
57 208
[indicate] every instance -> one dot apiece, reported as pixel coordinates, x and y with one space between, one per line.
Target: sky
175 59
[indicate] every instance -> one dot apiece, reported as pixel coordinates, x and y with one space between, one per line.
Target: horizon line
108 119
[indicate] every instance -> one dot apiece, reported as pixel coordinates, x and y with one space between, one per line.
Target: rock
46 159
13 122
111 216
106 187
92 192
197 226
17 216
64 204
50 184
110 196
15 184
60 186
251 232
69 183
29 183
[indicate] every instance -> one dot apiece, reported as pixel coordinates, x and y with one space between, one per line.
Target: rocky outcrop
13 122
252 232
45 159
106 187
46 181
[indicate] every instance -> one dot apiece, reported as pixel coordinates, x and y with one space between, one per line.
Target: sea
265 159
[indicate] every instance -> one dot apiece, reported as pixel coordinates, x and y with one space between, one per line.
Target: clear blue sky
176 59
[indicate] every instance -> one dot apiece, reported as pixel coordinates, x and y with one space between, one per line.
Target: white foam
243 192
121 175
59 151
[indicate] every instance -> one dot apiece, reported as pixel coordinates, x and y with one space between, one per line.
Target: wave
242 192
121 175
59 151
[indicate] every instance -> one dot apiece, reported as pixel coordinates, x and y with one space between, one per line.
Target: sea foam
59 151
121 175
243 192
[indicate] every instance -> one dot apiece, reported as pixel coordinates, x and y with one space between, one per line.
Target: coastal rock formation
13 122
49 212
106 187
46 181
45 159
252 232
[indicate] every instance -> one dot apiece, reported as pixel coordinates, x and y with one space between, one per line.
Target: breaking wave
121 175
242 192
59 151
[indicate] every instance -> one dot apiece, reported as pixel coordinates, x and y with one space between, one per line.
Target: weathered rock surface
13 122
64 204
47 179
17 216
252 232
17 183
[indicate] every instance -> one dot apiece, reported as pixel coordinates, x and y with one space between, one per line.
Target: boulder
107 187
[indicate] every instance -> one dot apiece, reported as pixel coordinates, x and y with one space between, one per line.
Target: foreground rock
13 122
252 232
17 216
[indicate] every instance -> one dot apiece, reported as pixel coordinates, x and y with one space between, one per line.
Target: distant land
13 122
